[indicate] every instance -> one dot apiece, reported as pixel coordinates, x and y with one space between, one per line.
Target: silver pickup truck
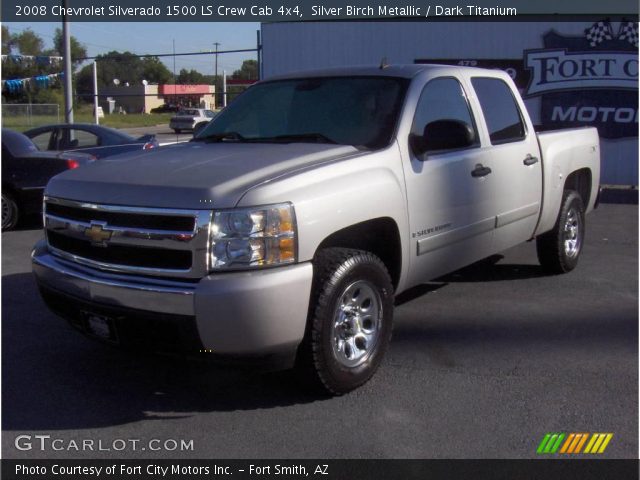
284 230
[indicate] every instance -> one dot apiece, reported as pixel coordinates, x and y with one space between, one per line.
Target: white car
191 119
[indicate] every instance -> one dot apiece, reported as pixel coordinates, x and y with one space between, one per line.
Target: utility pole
217 44
68 92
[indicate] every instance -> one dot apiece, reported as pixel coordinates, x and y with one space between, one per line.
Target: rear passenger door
514 157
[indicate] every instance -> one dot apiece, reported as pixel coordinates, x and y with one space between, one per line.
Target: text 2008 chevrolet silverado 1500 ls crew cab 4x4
286 228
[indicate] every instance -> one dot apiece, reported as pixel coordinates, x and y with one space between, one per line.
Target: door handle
530 160
480 171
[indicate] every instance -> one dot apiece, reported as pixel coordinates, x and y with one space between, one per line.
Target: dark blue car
94 139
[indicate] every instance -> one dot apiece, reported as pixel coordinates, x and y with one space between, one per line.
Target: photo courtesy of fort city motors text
288 239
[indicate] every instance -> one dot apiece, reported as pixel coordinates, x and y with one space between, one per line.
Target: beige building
143 98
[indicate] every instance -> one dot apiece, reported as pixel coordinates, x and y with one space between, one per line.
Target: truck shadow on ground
54 379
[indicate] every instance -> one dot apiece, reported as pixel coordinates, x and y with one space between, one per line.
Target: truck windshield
359 111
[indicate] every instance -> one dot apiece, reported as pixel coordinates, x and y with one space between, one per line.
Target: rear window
195 113
500 110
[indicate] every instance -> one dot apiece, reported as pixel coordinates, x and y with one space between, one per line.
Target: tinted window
81 139
360 111
500 110
441 99
42 140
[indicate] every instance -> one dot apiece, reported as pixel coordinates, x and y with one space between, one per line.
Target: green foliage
248 71
27 42
6 40
154 71
124 66
190 77
78 51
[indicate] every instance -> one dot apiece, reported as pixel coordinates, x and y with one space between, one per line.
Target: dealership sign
588 80
558 70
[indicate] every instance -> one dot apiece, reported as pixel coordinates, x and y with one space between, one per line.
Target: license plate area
100 326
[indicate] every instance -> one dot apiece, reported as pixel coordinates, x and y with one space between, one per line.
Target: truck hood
189 175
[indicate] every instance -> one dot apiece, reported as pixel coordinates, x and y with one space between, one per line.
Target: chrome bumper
236 313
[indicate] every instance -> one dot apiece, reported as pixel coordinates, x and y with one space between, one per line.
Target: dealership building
571 74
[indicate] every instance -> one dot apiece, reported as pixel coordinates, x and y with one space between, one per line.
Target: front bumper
256 313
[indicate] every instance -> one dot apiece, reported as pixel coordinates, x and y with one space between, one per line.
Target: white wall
300 46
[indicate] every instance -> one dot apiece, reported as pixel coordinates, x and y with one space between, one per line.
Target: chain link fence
20 116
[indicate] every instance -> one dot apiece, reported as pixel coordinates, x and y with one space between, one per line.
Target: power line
147 55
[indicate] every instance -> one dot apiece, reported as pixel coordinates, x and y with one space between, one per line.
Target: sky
148 38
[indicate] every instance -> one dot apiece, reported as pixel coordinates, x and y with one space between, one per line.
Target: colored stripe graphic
598 443
572 443
581 442
550 443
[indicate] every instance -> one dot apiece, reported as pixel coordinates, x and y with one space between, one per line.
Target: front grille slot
121 219
122 255
145 241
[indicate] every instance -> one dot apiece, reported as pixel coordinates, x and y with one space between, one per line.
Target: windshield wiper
219 137
298 137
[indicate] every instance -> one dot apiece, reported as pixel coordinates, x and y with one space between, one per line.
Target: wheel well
379 236
580 181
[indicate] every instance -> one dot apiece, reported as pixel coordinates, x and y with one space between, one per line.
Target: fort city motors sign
588 80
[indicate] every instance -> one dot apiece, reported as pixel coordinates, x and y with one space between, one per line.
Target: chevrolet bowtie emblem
98 235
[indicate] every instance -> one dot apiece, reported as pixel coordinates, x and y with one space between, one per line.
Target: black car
25 173
97 140
166 108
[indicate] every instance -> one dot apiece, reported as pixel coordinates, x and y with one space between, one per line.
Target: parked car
89 138
166 108
193 119
26 171
284 230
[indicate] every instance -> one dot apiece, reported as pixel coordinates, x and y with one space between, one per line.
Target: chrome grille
148 241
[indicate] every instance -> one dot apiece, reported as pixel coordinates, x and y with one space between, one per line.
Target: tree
248 71
6 40
124 66
78 50
154 71
27 42
190 77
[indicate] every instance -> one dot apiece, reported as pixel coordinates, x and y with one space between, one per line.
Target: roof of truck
403 71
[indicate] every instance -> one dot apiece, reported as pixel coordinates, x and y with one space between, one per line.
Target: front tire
350 320
10 212
559 249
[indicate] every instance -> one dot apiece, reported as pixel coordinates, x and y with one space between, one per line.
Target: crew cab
284 230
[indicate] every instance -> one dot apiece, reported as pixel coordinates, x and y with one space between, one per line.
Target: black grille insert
123 219
145 257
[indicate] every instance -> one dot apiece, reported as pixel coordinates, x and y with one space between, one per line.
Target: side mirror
443 135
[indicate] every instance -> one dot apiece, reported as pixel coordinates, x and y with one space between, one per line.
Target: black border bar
538 469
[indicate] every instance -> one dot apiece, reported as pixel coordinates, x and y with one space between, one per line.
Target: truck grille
147 241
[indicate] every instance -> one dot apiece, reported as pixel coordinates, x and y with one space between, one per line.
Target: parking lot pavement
483 363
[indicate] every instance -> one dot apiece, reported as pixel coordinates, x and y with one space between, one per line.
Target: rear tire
559 249
10 213
350 320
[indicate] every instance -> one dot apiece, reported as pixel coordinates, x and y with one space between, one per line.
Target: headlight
253 237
